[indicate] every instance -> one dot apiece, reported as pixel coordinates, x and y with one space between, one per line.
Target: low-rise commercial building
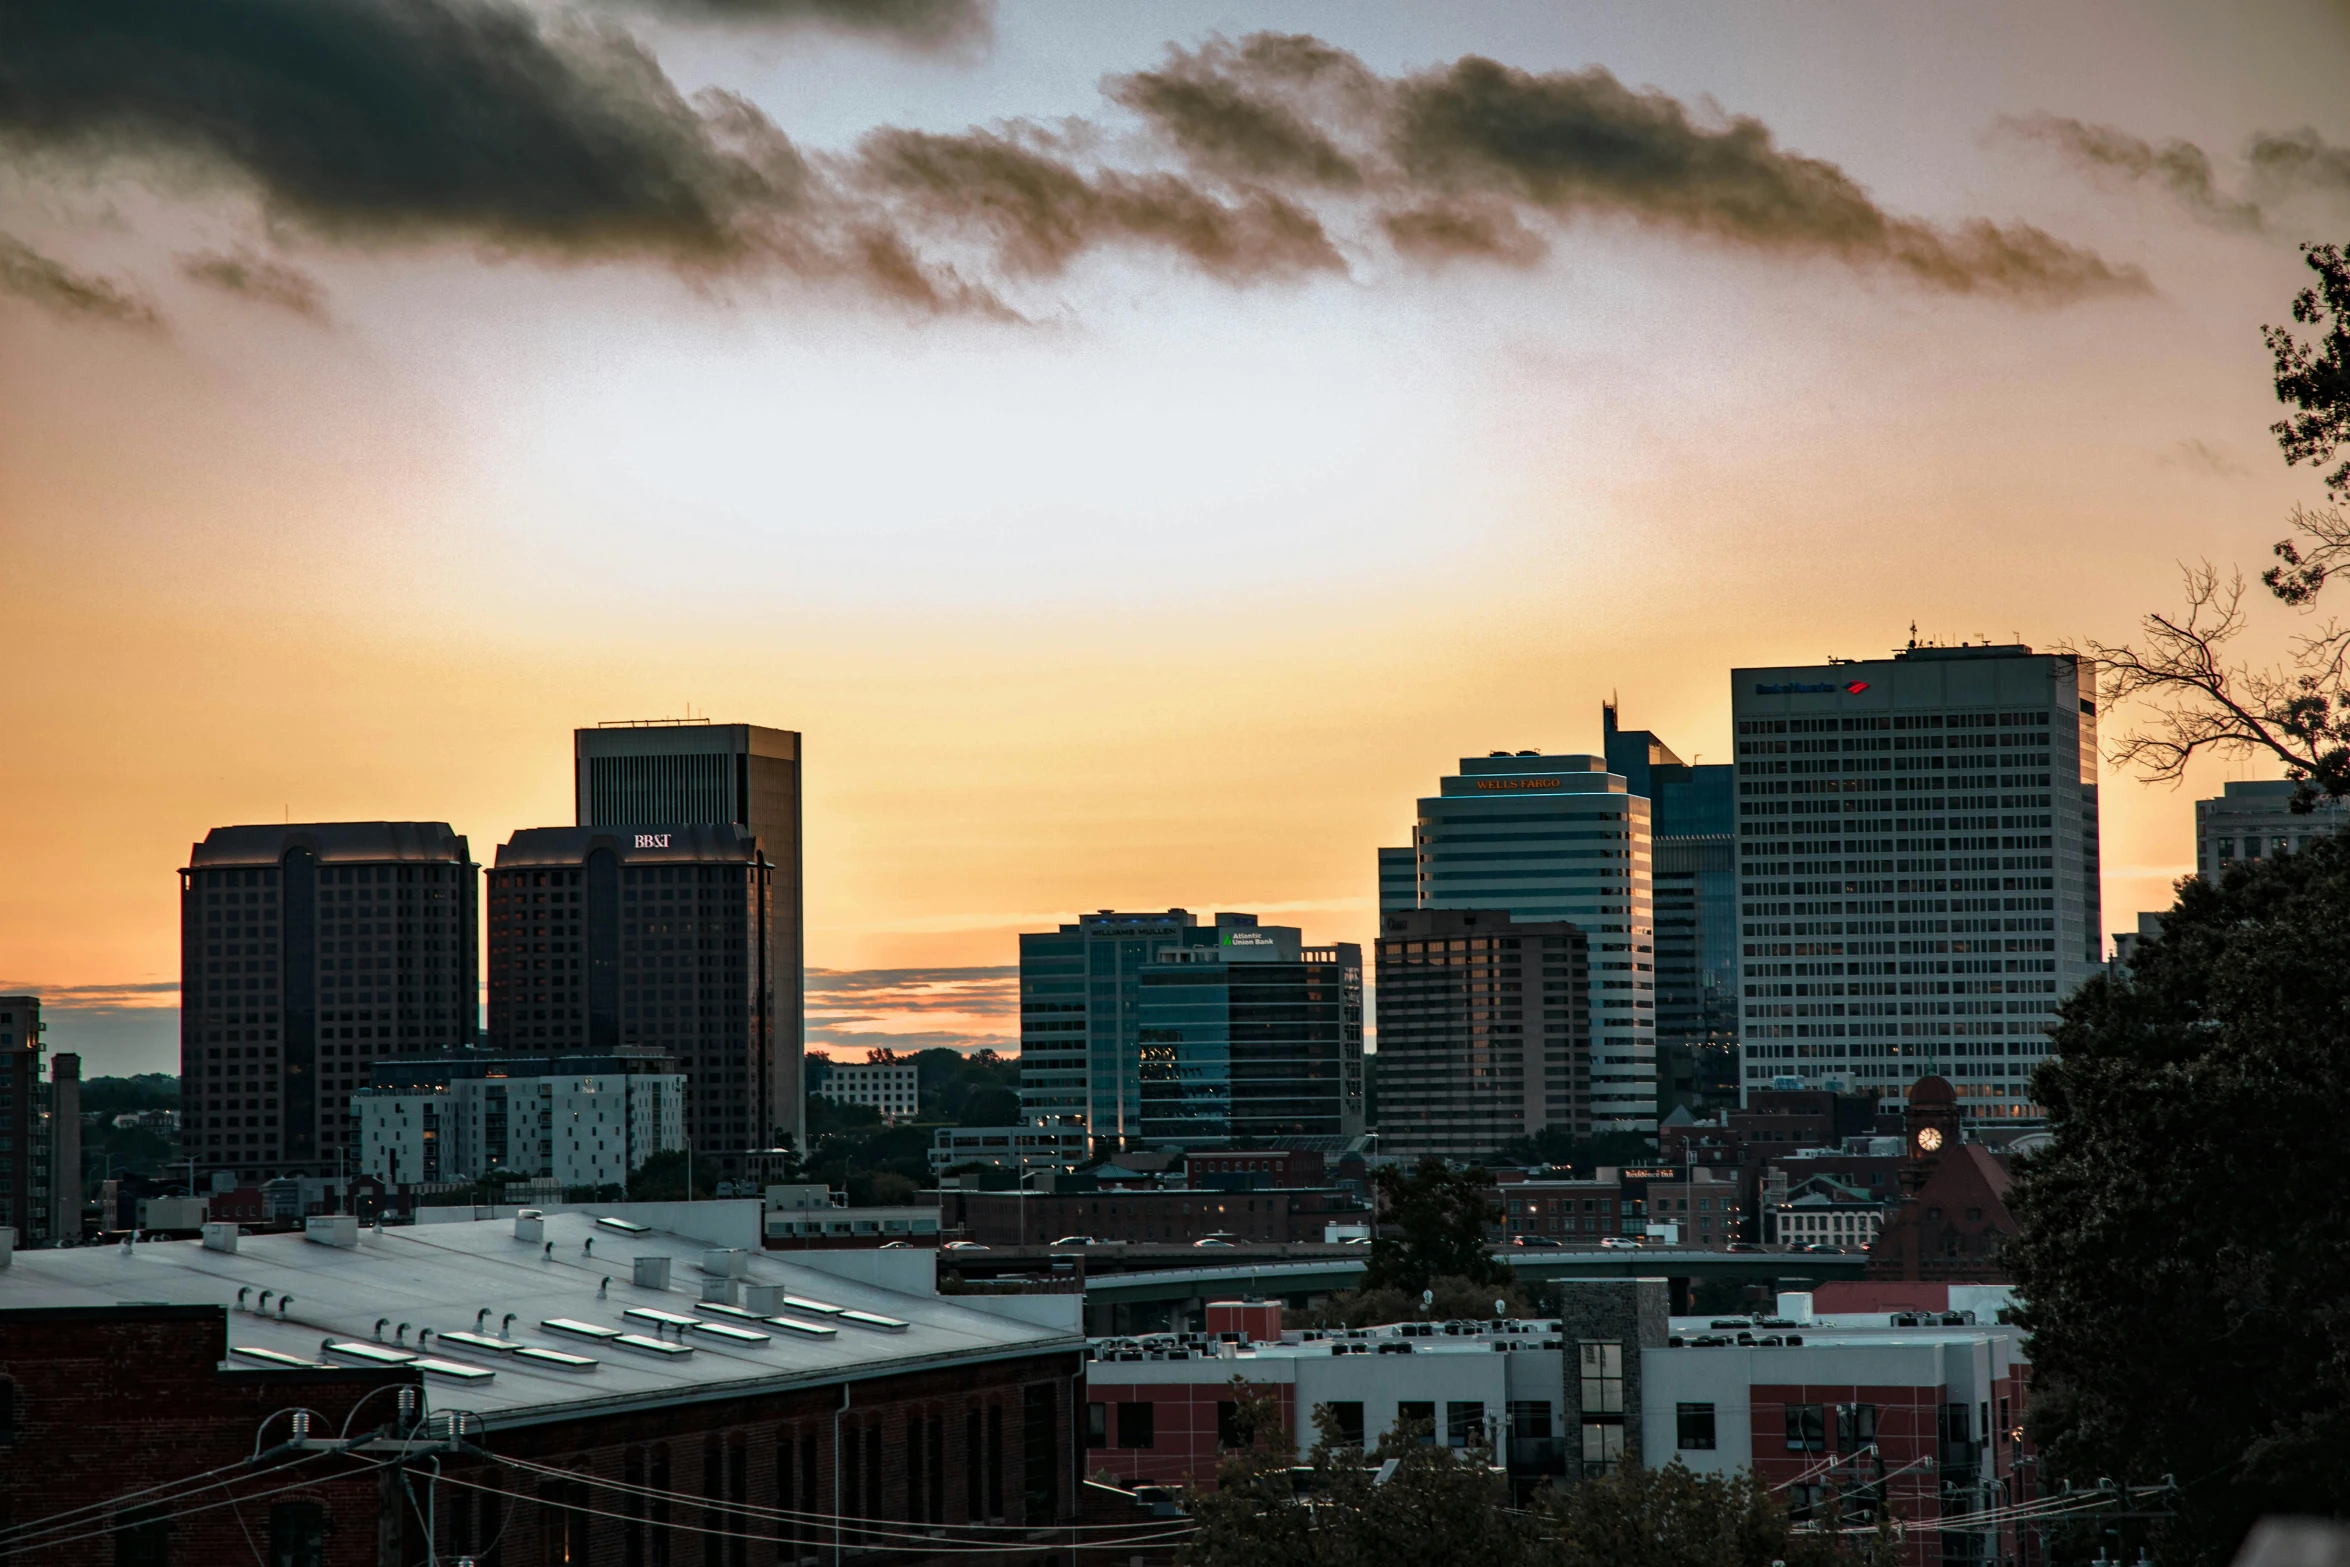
1061 1144
1859 1412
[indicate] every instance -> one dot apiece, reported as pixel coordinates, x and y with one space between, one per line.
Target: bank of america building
1918 869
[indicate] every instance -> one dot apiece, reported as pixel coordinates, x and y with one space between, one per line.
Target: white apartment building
890 1087
580 1121
1918 869
1554 838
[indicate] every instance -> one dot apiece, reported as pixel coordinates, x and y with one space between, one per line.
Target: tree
2184 1265
661 1178
1556 1145
2200 698
1442 1213
1446 1504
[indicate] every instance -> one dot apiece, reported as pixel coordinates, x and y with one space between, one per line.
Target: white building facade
891 1087
589 1126
1918 869
1555 838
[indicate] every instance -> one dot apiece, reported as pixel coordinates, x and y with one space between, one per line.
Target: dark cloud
2299 160
1236 109
60 290
257 278
374 123
1465 160
1433 232
1581 143
373 119
918 24
2179 168
1039 211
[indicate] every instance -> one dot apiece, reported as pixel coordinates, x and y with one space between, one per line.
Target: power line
856 1529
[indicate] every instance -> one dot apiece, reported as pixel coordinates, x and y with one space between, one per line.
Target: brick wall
104 1401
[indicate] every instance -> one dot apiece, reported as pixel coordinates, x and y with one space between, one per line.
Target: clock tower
1931 1128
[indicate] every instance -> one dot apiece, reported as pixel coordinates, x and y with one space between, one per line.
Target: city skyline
364 548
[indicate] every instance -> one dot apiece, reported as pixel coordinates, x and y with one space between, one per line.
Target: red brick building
1953 1216
620 1394
1252 1168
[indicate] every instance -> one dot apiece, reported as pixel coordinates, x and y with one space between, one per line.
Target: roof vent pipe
400 1334
381 1323
480 1317
283 1301
243 1292
505 1328
264 1303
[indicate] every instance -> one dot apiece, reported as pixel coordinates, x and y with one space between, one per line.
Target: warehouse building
580 1386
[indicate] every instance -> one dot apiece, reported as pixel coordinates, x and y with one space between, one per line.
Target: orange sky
1180 596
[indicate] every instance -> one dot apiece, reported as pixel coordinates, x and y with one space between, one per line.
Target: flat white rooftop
468 1278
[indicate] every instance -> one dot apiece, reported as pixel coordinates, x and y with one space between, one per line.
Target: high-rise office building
699 774
1258 1038
1082 1051
2252 818
65 1141
27 1155
1080 1013
1693 820
306 951
1918 870
1484 1031
647 939
1558 838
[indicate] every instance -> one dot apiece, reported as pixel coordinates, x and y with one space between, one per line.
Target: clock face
1929 1139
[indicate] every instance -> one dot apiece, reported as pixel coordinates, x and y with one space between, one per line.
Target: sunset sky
1138 460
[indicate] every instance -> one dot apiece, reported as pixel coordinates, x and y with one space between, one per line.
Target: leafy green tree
2185 1256
1441 1214
1455 1298
661 1178
1556 1145
1448 1505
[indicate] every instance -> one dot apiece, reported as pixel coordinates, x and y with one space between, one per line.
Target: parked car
1744 1246
1211 1240
1619 1242
1077 1240
965 1246
1534 1240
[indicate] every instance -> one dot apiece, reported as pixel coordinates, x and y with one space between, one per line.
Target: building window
1856 1427
1603 1448
1464 1425
142 1538
1138 1424
1097 1425
1416 1422
1693 1427
1807 1428
297 1535
1603 1379
1343 1423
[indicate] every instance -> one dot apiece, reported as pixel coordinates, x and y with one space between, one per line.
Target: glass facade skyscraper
1918 869
1694 820
1258 1038
1558 838
1258 1062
